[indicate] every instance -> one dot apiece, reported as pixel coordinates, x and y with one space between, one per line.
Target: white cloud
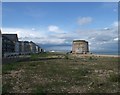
115 24
116 39
23 32
115 10
106 28
53 28
99 39
37 36
56 41
33 29
84 20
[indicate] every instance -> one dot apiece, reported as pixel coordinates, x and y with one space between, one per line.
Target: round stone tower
80 47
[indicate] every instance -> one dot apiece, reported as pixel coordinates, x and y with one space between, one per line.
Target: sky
60 0
54 25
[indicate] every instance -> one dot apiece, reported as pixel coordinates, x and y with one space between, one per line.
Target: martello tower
80 47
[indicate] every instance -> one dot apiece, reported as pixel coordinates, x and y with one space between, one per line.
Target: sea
106 53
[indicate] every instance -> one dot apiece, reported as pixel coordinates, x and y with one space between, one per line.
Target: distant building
12 37
32 47
80 47
43 50
26 47
7 45
11 46
17 47
20 47
23 47
37 49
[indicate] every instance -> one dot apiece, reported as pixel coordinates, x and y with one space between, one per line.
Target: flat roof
12 37
80 41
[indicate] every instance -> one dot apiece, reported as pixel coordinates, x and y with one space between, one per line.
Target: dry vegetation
60 73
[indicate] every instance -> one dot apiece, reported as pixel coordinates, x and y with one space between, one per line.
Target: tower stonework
80 47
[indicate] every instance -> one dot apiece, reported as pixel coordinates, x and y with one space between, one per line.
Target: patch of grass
39 90
98 85
6 88
9 67
60 75
45 54
32 64
34 56
82 71
66 57
92 58
114 78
